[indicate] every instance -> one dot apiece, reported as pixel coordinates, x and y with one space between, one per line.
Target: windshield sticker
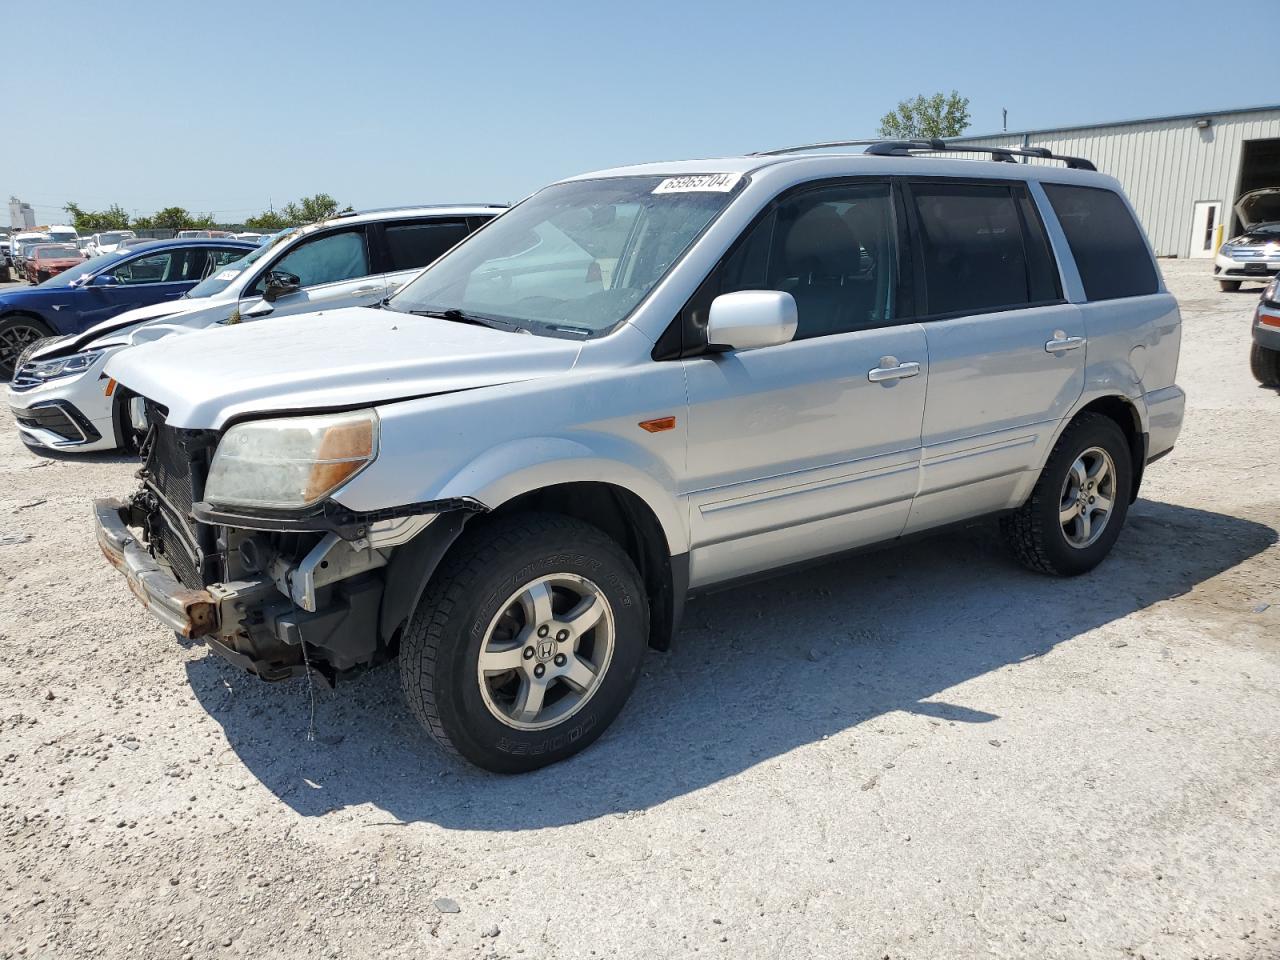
699 183
227 275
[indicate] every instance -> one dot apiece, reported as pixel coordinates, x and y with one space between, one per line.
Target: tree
176 218
94 221
927 118
267 220
307 210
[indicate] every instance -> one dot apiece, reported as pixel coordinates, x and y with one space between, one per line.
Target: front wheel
526 643
16 335
1078 505
1265 365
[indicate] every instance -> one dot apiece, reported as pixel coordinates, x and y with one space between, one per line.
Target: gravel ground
921 753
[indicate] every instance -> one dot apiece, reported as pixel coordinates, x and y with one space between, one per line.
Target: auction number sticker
227 275
699 183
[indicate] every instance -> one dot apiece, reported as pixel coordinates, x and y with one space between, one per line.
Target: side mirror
105 280
751 318
279 284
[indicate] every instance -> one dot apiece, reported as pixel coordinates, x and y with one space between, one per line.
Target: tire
471 605
1229 286
1036 533
17 333
1265 364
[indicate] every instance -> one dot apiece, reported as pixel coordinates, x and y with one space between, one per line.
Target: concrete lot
921 753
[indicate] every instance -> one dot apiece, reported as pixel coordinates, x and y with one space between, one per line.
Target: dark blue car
100 288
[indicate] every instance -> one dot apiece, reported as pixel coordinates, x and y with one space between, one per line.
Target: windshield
111 237
575 258
217 282
68 278
56 251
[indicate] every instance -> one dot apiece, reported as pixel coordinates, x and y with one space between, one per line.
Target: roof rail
905 148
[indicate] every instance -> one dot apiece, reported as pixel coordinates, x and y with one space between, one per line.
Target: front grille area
59 418
177 462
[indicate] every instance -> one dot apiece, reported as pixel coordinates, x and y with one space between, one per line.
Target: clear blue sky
224 106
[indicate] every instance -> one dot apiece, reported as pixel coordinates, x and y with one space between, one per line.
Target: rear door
406 246
334 269
810 447
1006 351
150 277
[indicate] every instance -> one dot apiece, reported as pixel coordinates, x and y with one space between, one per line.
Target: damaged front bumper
325 603
190 613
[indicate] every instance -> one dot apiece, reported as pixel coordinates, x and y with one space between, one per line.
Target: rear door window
414 245
980 249
1106 242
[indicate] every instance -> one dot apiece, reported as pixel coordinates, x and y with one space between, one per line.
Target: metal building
1183 173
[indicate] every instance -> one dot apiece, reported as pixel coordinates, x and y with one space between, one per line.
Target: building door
1205 220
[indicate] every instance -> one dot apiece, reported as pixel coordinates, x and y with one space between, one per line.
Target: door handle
1062 343
891 369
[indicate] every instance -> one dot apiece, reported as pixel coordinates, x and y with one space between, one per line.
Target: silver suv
633 387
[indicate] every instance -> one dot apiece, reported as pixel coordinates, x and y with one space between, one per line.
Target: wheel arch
1125 414
630 522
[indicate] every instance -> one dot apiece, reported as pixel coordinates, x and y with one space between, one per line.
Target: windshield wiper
455 315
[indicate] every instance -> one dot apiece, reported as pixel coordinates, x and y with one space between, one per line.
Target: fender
517 467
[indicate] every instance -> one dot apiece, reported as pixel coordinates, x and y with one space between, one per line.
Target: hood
1259 206
121 324
63 263
341 358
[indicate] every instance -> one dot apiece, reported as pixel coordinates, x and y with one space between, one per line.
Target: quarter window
1107 244
414 245
832 249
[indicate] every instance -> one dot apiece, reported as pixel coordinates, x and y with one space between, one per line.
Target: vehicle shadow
757 671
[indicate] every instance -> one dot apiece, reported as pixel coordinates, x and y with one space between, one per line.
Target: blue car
100 288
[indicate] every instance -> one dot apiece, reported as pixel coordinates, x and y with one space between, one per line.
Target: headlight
1225 249
62 367
293 462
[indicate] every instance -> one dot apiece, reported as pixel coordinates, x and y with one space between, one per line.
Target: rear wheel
526 643
1229 286
1077 507
1265 365
16 334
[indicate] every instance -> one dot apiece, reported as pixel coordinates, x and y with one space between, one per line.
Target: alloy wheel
1088 497
546 651
13 340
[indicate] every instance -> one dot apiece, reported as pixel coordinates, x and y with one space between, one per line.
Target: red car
50 259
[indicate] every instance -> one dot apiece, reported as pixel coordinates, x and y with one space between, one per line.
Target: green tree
94 221
267 220
177 218
941 115
297 214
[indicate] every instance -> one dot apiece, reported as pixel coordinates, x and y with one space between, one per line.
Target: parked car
1254 256
25 251
16 243
1264 353
50 259
640 384
108 241
58 397
64 234
103 287
193 234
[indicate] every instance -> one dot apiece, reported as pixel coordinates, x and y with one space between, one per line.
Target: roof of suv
420 210
832 162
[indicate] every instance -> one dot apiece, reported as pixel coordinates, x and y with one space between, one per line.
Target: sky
232 106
